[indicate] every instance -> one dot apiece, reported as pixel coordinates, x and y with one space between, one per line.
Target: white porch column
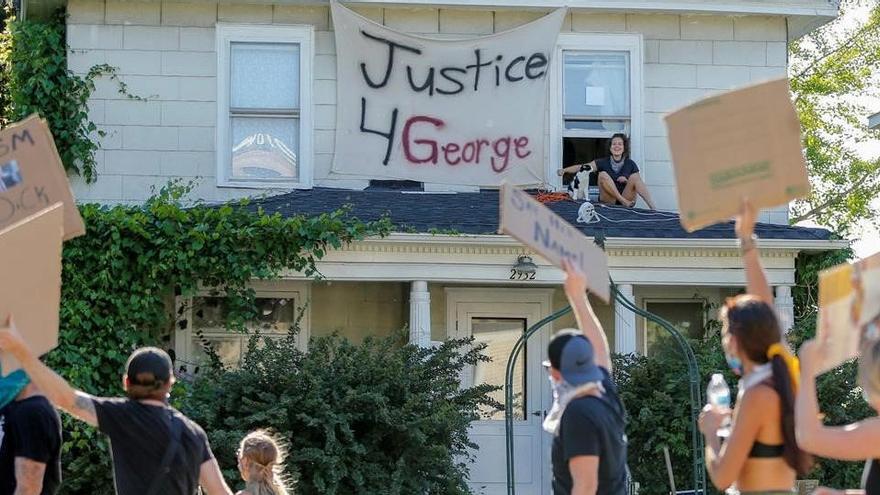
785 307
419 314
624 324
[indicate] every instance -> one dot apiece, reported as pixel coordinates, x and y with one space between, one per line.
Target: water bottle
718 395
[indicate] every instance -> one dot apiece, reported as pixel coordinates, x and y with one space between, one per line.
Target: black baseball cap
149 367
572 354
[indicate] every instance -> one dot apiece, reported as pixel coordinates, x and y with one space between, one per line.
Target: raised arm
756 279
853 442
577 166
52 385
576 290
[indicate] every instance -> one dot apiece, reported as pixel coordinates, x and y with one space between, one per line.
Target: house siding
165 52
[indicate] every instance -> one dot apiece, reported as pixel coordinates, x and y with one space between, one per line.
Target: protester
30 439
260 462
587 419
859 441
761 454
155 449
619 180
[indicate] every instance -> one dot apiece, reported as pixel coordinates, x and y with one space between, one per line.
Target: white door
497 318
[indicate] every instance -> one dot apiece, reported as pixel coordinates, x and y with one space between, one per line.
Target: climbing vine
34 78
119 282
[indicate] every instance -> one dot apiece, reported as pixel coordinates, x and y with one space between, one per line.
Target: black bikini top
764 451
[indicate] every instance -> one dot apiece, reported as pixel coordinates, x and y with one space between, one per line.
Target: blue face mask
734 363
12 385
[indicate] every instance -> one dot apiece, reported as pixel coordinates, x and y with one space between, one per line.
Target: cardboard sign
32 177
549 235
30 284
849 309
744 143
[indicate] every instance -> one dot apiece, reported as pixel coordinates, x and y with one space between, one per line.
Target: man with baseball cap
156 449
588 419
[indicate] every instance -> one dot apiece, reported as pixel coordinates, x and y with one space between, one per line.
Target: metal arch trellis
693 376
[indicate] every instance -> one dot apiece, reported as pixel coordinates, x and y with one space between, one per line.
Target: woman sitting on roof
619 179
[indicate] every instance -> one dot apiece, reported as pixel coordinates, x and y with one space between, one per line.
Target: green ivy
34 79
120 279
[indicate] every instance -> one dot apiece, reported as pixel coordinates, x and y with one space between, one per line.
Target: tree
833 73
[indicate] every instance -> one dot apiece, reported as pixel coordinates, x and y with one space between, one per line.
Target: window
205 317
595 92
685 316
500 335
264 129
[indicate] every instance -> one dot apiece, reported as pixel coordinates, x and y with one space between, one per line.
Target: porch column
785 307
419 314
624 324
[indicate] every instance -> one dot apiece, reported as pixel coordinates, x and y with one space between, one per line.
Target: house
243 96
874 121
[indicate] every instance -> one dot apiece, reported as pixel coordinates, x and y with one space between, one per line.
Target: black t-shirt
871 478
31 429
593 426
628 168
140 434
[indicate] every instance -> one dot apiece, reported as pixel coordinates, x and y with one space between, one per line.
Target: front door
497 318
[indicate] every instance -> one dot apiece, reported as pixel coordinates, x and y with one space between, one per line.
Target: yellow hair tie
791 362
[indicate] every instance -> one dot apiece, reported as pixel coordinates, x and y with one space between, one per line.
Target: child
260 461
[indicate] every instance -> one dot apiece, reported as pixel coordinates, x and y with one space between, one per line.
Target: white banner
444 111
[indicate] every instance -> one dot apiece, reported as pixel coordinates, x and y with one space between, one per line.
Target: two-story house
243 97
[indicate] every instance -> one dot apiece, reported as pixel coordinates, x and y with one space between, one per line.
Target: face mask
734 363
11 386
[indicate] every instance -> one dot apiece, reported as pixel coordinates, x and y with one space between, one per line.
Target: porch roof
477 213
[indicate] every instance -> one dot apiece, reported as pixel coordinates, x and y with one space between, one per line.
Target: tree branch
848 43
834 200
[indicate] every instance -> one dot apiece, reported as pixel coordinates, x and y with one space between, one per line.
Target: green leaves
374 418
833 73
119 281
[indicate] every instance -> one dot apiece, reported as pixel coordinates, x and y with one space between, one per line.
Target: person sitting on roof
619 179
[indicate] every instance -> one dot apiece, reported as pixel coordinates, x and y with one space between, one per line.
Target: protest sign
455 111
849 309
549 235
32 176
30 280
744 143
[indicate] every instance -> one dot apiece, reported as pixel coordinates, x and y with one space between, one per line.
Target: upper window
264 130
596 91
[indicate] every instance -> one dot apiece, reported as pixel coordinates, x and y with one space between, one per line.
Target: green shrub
119 281
375 418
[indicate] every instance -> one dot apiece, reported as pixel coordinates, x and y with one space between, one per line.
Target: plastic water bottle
718 395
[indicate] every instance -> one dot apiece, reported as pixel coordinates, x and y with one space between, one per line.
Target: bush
376 418
656 393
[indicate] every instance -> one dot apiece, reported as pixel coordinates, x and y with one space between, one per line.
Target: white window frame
303 35
300 291
598 42
659 300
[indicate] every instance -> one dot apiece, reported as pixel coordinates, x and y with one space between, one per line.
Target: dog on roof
579 185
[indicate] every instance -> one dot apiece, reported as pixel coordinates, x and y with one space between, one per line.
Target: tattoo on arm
28 476
84 408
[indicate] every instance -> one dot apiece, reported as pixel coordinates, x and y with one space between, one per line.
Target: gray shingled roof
477 213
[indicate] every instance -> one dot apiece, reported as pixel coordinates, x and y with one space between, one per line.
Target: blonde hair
265 458
869 370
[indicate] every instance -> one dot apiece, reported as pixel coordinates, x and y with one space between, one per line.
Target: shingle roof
477 213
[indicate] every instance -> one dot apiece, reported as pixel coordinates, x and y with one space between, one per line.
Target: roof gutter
806 245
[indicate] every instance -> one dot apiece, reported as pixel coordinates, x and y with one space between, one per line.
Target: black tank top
871 478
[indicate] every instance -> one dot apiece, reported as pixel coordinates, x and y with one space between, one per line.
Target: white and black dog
579 186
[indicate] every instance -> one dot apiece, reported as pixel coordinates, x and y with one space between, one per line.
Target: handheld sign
549 235
32 177
744 143
849 309
30 284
